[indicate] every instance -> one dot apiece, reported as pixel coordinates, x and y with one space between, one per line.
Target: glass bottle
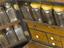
47 14
3 16
59 15
19 32
35 7
26 11
11 12
11 36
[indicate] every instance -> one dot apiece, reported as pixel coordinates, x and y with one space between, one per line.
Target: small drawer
50 37
54 40
53 37
39 36
55 43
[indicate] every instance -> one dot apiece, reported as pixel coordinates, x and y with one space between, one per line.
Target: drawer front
53 37
39 36
54 40
55 43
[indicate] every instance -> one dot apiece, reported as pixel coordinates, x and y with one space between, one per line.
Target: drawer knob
37 36
51 38
53 44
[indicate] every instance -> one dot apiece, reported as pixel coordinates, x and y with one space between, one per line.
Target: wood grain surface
33 44
1 1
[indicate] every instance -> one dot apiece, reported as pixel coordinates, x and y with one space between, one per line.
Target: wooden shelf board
41 1
8 25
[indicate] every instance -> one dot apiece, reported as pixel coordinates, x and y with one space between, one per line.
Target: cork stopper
35 5
58 8
46 7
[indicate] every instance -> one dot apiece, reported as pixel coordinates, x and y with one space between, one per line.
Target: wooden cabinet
51 35
46 38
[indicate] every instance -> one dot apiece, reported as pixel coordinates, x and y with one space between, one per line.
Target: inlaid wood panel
39 36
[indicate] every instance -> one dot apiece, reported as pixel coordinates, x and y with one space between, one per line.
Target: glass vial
35 7
26 11
11 36
10 12
59 15
3 16
19 32
47 14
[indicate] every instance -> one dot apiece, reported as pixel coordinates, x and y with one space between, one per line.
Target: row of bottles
11 36
44 13
7 14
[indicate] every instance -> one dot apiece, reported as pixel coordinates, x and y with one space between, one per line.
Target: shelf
9 25
41 1
46 28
